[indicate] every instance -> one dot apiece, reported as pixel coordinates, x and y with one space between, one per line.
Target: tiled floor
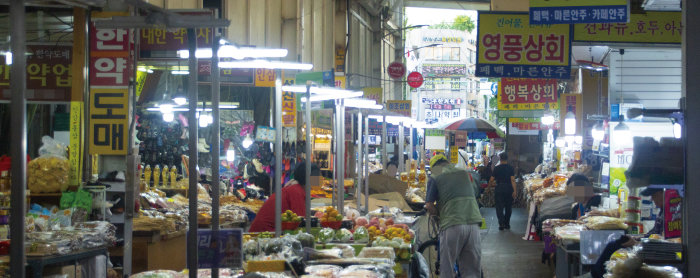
506 254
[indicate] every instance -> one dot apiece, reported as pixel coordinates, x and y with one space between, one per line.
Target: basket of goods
331 218
290 220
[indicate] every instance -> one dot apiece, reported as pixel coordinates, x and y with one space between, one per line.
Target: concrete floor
506 254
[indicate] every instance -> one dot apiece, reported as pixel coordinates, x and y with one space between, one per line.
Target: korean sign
226 76
161 43
48 73
110 72
570 11
289 105
222 249
508 46
524 126
673 214
444 70
402 107
527 94
374 93
651 27
264 78
109 120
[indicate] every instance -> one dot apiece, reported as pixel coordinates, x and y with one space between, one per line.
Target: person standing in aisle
504 180
455 193
494 160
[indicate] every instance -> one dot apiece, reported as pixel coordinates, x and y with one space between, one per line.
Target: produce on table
343 235
290 216
306 240
326 235
331 215
47 174
361 235
361 222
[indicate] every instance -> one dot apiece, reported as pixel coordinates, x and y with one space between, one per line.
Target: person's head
578 179
392 163
657 196
438 161
483 152
263 181
300 172
503 156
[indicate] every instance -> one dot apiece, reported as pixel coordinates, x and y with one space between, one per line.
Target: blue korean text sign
508 46
222 249
577 11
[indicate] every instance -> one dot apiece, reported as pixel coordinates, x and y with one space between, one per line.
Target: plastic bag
323 270
326 235
605 223
361 235
343 235
378 252
52 148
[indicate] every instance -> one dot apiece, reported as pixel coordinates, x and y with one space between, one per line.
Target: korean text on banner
525 126
650 27
569 12
109 121
374 93
527 94
508 46
289 105
454 154
573 103
402 107
161 43
110 73
264 78
75 157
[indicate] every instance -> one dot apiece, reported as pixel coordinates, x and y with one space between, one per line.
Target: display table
568 261
153 250
37 263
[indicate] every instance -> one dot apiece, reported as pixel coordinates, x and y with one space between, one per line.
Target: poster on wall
508 46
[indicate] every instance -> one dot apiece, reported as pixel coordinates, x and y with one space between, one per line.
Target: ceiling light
230 153
622 134
247 141
180 72
8 58
570 123
597 132
677 130
323 97
168 117
231 51
263 64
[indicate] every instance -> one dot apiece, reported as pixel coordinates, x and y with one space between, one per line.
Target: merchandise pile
59 240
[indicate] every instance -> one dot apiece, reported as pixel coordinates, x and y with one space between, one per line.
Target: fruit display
290 216
330 214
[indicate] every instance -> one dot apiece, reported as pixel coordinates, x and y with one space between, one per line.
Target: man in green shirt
455 191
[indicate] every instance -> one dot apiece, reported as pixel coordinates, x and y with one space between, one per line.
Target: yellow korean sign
289 105
75 157
340 82
264 78
402 107
651 27
454 154
508 46
109 121
374 93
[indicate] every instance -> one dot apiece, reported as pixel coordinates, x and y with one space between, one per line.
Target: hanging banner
570 11
48 73
227 76
527 94
109 121
573 103
402 107
374 93
508 46
339 59
454 154
673 214
289 105
110 74
75 157
650 27
321 78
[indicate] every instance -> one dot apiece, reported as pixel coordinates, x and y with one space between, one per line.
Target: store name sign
48 73
444 70
402 107
161 43
508 46
527 94
110 73
443 39
569 11
650 27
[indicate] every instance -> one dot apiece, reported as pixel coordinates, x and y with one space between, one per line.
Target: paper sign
650 27
220 250
508 46
569 11
264 133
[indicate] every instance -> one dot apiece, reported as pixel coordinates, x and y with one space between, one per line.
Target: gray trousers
461 245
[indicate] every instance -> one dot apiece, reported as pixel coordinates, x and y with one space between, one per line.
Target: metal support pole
307 119
410 150
691 130
360 161
214 142
385 158
365 173
341 157
18 128
192 169
278 152
399 155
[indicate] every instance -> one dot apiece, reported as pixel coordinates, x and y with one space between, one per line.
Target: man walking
504 180
455 192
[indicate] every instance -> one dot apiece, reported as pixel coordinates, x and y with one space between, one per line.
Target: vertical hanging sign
289 105
110 71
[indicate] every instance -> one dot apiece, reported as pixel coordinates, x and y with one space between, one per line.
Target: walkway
506 254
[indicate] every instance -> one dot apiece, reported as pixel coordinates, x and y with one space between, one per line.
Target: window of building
442 53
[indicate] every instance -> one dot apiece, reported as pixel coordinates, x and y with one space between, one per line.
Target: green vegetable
306 240
326 235
343 235
361 235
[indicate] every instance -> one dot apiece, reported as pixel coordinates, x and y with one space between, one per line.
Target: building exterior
446 58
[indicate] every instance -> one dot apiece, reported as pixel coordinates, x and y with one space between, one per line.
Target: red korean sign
527 94
415 79
109 55
164 43
396 70
48 73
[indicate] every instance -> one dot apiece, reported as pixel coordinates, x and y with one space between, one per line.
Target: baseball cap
436 159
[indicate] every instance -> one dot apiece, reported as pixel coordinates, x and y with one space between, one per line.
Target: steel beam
192 169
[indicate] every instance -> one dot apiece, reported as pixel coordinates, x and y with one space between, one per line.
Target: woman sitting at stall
293 198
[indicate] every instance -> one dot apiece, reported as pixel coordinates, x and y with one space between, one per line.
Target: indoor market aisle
506 254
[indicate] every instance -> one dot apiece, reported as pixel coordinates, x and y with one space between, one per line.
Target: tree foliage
461 22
